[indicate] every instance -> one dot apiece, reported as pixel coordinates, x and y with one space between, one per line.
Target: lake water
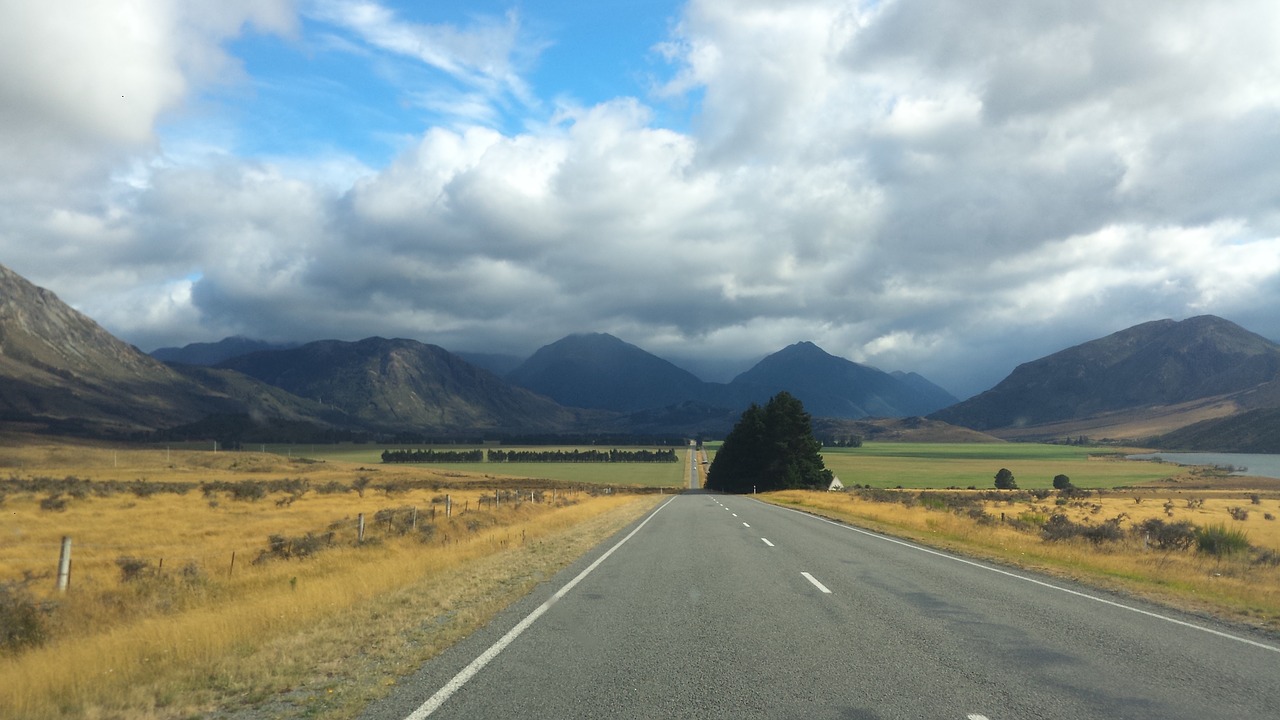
1258 465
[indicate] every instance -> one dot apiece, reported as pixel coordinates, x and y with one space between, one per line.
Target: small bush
54 503
1238 513
132 568
21 620
1266 557
1060 527
284 547
1168 535
1218 540
1108 531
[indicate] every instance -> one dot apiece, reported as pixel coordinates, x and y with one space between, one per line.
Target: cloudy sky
950 188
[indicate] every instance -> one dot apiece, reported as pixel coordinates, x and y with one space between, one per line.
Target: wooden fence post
414 521
233 564
64 564
360 528
448 506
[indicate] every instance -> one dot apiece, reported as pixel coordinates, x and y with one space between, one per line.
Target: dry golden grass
1232 587
200 634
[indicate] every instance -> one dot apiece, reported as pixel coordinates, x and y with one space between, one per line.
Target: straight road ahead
719 606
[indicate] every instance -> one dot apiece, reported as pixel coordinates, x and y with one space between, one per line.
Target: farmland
670 475
920 465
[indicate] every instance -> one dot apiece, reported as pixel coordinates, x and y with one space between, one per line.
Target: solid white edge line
435 701
815 582
1041 583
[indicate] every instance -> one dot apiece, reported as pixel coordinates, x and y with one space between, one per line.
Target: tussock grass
195 634
1235 586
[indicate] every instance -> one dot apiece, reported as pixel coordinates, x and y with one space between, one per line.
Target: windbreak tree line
771 448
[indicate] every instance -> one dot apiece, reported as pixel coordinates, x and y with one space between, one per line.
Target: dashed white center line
975 716
745 525
735 514
766 542
816 584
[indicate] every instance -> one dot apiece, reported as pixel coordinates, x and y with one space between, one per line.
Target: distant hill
1149 366
831 386
60 370
1252 431
836 431
403 384
215 352
599 371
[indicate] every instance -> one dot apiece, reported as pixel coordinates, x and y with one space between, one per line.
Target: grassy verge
1242 587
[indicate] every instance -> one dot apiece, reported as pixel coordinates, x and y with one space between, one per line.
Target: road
720 606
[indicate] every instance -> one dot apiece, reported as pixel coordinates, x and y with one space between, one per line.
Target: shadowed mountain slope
598 370
403 384
1150 365
831 386
60 369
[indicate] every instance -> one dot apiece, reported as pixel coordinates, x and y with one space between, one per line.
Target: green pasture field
942 465
660 474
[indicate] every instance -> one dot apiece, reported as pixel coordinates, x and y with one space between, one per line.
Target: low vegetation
243 580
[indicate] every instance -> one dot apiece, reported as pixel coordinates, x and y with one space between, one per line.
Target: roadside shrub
1238 513
426 532
21 620
1265 556
54 503
1168 535
284 547
1255 499
1060 527
1219 540
1108 531
333 487
132 568
360 484
248 490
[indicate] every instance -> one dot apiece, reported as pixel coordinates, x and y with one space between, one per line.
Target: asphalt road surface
719 606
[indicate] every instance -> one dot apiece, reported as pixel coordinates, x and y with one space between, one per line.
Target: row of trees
432 456
1005 481
528 456
771 448
583 456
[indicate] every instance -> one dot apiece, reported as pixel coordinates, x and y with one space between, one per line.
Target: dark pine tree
771 448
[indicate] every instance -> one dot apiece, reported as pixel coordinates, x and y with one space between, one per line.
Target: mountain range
1191 384
1144 382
